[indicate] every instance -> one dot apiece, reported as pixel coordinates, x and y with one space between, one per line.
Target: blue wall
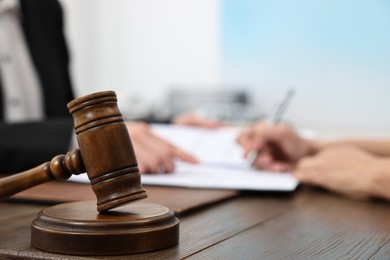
335 52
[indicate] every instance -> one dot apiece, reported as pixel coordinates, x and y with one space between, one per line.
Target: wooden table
307 224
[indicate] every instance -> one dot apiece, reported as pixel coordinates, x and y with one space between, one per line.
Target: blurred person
197 120
35 87
352 167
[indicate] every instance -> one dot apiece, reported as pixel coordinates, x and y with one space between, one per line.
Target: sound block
77 228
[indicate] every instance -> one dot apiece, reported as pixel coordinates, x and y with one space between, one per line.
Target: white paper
222 164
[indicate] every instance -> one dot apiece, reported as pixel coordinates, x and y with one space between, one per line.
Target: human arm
154 154
280 146
348 170
379 147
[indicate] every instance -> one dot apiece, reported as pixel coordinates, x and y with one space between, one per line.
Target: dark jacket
25 145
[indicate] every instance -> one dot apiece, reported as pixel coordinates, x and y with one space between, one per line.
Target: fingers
192 119
251 138
155 155
149 159
187 157
279 144
310 170
167 151
265 161
260 137
281 167
149 163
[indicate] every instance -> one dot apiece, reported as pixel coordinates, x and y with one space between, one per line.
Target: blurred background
233 59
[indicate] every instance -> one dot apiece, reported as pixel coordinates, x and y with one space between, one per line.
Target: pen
273 118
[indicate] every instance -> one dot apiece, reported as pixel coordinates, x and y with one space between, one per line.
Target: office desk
307 224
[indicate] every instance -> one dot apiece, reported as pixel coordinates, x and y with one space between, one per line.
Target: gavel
105 153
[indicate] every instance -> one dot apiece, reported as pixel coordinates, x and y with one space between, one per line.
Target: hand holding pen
272 146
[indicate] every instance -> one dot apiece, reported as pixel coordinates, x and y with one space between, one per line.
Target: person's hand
153 153
193 119
278 146
346 170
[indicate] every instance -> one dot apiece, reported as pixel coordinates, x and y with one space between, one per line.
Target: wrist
380 183
312 146
316 145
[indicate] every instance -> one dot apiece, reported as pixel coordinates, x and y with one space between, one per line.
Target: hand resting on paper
156 155
153 153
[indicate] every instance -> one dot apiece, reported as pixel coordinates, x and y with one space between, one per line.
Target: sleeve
26 145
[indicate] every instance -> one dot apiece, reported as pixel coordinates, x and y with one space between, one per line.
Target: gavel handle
60 167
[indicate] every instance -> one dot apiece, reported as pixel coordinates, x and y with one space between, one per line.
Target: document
222 165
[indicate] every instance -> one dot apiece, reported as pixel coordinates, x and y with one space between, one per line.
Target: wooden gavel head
106 154
106 150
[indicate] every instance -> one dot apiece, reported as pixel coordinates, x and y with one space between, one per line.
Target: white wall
140 48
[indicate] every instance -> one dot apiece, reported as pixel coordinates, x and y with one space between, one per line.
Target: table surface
307 224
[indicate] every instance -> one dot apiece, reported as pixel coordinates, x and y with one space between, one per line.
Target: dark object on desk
106 153
78 229
106 150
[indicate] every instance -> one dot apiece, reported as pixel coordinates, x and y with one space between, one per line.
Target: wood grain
180 200
309 224
320 227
